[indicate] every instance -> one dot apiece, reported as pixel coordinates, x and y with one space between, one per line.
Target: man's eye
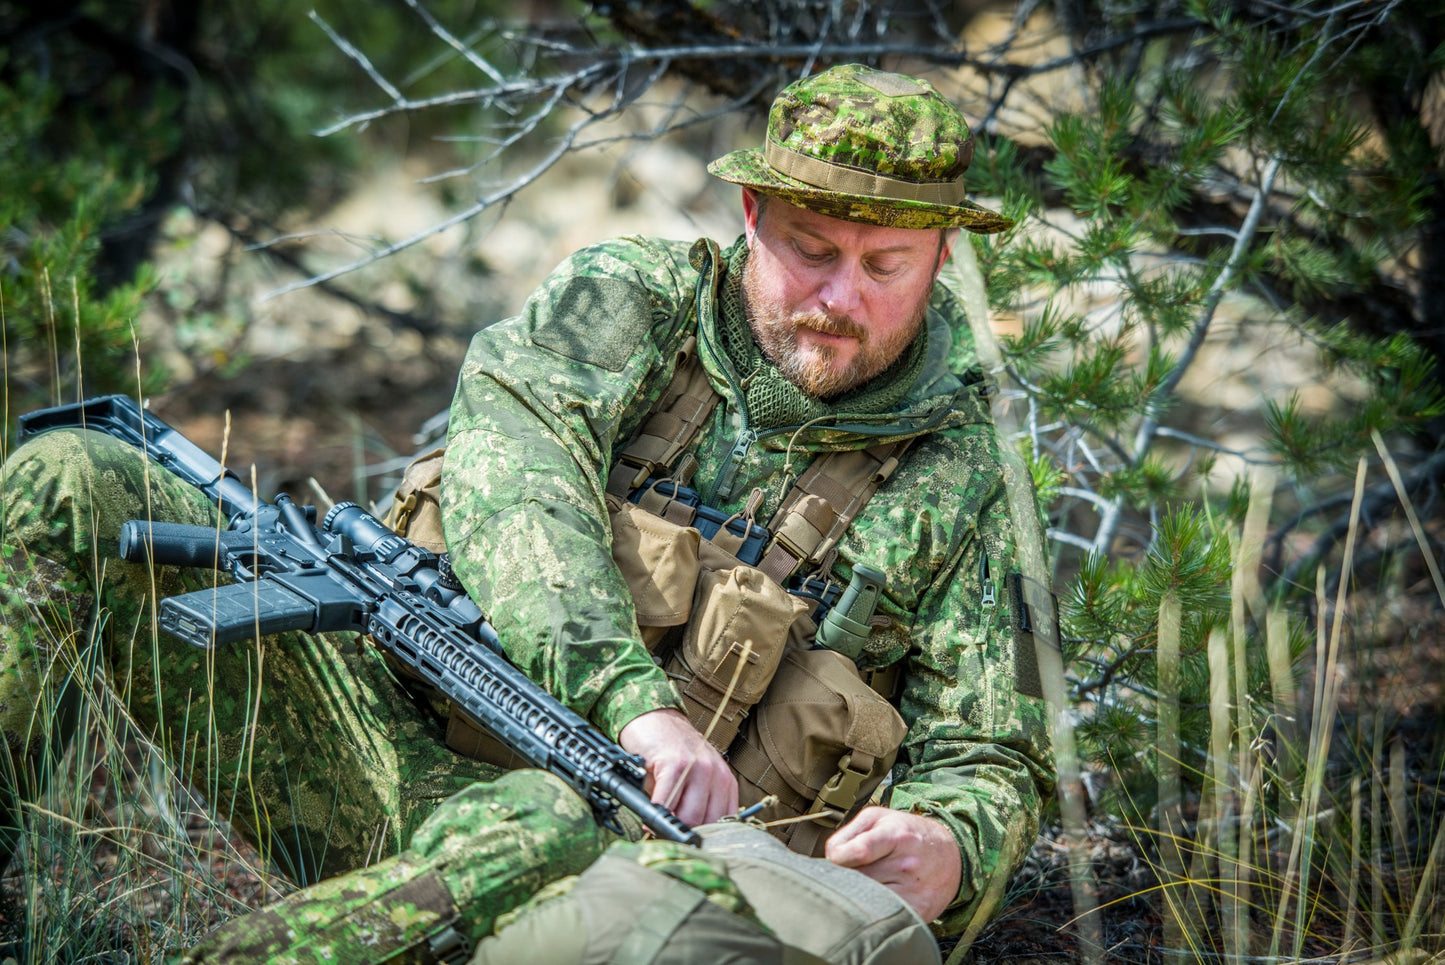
883 271
813 256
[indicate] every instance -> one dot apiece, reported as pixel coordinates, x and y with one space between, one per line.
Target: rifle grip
235 612
170 544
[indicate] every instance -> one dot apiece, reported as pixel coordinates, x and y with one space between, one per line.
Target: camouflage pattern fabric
866 145
545 399
518 871
305 744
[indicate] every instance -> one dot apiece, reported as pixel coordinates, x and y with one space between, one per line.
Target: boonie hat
865 145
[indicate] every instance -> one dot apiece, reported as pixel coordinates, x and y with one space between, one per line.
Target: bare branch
560 149
345 47
448 38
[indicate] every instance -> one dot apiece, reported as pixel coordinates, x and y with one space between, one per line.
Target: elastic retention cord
792 441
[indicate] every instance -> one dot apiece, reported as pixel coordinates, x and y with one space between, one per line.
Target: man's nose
841 291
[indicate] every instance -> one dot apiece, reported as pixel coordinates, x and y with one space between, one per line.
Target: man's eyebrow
799 229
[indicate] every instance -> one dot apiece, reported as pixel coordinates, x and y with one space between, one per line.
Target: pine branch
1148 428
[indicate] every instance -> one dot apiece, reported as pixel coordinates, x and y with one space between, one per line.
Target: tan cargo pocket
731 649
658 560
821 740
416 509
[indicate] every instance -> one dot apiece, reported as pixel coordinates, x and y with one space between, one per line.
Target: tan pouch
659 561
821 740
416 509
470 740
741 624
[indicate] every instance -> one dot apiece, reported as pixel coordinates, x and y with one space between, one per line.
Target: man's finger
696 801
730 801
863 821
865 847
723 799
716 792
665 791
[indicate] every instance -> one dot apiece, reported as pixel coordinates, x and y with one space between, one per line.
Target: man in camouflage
822 329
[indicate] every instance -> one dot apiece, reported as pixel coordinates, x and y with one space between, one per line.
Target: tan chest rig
795 720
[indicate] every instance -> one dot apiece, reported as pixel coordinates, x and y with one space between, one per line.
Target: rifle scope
371 537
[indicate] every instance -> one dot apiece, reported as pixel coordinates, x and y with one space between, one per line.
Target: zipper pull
745 442
724 489
990 595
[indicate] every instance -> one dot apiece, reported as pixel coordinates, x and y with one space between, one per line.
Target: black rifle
352 573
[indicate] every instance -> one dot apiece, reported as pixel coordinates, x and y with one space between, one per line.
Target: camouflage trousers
307 745
485 852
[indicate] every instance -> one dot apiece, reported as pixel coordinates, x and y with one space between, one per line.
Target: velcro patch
596 321
1027 679
891 85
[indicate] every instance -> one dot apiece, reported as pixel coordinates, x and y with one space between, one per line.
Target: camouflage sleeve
977 754
540 401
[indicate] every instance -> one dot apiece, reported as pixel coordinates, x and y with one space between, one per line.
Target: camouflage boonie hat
865 145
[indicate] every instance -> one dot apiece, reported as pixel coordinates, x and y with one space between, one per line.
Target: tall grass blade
1322 720
1179 923
1246 594
1399 814
1425 897
1223 839
1419 531
1352 898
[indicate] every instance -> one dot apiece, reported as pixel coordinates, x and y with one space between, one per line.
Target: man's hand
683 770
914 855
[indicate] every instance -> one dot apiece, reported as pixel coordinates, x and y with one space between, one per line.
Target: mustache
831 325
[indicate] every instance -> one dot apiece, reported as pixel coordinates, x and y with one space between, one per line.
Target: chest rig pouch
730 609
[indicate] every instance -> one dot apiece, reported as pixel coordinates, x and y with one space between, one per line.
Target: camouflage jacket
546 398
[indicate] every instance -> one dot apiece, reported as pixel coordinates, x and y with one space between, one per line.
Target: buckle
841 791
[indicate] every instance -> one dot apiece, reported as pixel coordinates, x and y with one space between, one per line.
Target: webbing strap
823 504
755 765
671 426
815 513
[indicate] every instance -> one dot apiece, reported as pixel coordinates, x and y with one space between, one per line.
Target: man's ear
751 209
945 248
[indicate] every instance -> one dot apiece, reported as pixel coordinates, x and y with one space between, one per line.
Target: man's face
833 303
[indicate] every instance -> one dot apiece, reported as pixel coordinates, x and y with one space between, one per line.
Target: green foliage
60 187
1188 558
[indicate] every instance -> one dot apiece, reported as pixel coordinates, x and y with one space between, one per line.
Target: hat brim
749 168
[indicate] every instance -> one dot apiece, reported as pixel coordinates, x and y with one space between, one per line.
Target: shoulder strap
815 513
670 428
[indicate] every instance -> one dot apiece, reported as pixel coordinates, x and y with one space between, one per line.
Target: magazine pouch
821 740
